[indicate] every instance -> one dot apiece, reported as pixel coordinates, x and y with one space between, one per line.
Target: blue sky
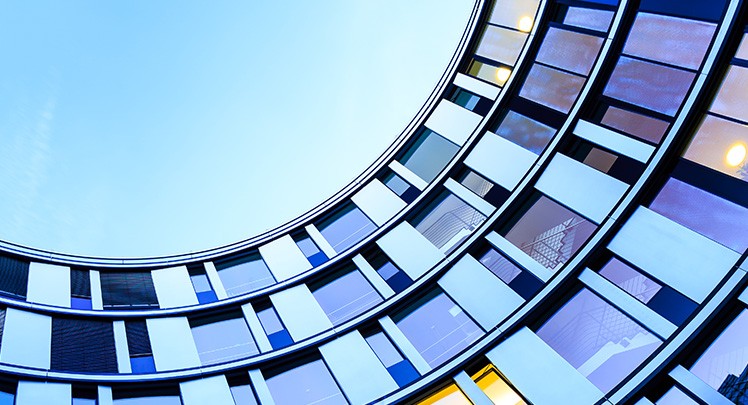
140 128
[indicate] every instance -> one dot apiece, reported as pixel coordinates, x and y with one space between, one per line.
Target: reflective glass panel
569 50
448 221
510 13
597 339
742 52
724 364
630 280
714 217
346 228
310 383
550 233
590 18
497 390
222 341
552 88
428 155
525 132
494 74
675 396
649 85
245 274
243 395
501 44
731 98
643 127
476 183
672 40
721 145
500 265
451 395
346 297
439 329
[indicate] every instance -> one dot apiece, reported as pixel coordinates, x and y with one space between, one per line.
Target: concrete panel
174 287
284 258
501 161
27 339
300 312
172 343
47 393
49 284
476 86
410 250
378 202
453 122
211 390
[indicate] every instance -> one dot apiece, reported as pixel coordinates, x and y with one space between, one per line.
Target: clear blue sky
139 128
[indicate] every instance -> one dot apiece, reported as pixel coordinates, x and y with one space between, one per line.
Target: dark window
241 389
82 345
518 279
80 289
128 290
168 395
392 275
401 370
14 277
83 395
402 188
428 155
139 346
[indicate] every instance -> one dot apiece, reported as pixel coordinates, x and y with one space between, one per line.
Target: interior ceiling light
525 24
502 74
736 155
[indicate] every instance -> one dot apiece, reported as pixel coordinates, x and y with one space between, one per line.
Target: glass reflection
723 364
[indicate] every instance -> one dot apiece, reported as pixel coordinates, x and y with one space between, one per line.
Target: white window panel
378 202
300 312
284 258
172 344
27 339
49 284
212 390
453 122
174 287
33 392
410 250
501 161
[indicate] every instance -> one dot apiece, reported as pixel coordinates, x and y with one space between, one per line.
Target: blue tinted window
243 395
348 226
346 297
274 329
7 398
447 221
401 370
407 192
142 364
438 328
310 383
311 250
80 303
428 155
203 289
245 274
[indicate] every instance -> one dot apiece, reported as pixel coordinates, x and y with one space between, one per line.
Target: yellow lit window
489 381
450 395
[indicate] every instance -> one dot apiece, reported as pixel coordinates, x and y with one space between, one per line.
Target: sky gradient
146 128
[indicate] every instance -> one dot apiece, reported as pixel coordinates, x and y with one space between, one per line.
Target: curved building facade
564 221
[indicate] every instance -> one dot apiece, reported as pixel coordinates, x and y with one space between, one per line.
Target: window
401 370
128 290
501 45
597 339
272 324
138 396
310 249
428 155
724 364
83 345
590 18
402 188
221 338
641 126
525 132
552 88
476 183
469 101
14 277
716 218
521 281
392 275
619 167
450 395
497 390
721 145
244 274
548 232
447 221
7 393
674 396
310 383
201 284
80 289
83 395
569 50
663 299
437 327
497 74
346 227
139 347
241 389
346 296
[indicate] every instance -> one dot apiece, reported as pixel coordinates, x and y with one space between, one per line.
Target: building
565 222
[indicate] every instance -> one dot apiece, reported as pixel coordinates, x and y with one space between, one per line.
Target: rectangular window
402 188
401 370
244 274
8 393
222 338
83 345
552 88
201 284
549 232
274 329
720 144
589 18
569 50
501 45
597 339
525 132
80 289
346 227
14 277
310 249
437 327
138 396
128 290
724 365
521 281
309 383
663 299
83 395
345 296
641 126
447 221
241 389
618 166
496 74
428 155
392 275
139 347
449 395
496 389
